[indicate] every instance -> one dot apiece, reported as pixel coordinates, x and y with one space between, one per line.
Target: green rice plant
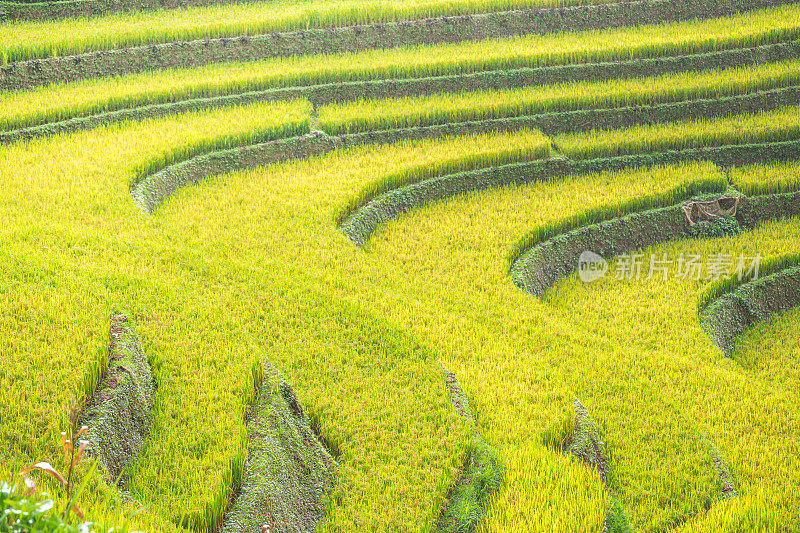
766 178
706 180
25 108
769 266
234 127
250 263
451 155
771 349
482 105
23 40
770 126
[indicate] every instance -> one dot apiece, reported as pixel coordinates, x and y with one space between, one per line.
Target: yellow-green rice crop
772 350
232 127
633 373
709 182
766 178
201 382
481 105
742 411
714 290
488 150
250 265
24 40
780 125
24 108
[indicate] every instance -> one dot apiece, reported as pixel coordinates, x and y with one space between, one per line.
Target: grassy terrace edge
28 67
359 224
374 207
151 188
462 180
335 93
281 440
43 11
53 10
729 307
481 474
717 289
554 251
158 180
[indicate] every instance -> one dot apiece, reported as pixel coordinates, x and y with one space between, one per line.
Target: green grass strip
767 267
495 150
246 125
24 108
772 126
37 39
480 105
711 180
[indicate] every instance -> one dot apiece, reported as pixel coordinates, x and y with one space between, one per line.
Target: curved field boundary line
696 187
727 486
579 436
730 307
481 474
727 156
587 119
542 265
177 159
330 93
715 290
585 445
363 222
150 191
438 30
360 225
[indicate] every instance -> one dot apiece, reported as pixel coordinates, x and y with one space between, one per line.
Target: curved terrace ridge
289 473
539 266
255 458
359 224
362 223
53 10
579 436
26 73
341 92
728 308
481 474
151 190
362 220
120 411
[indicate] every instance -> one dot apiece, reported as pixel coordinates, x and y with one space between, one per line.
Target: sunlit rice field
407 381
61 101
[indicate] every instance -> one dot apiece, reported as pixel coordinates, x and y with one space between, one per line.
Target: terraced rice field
464 265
